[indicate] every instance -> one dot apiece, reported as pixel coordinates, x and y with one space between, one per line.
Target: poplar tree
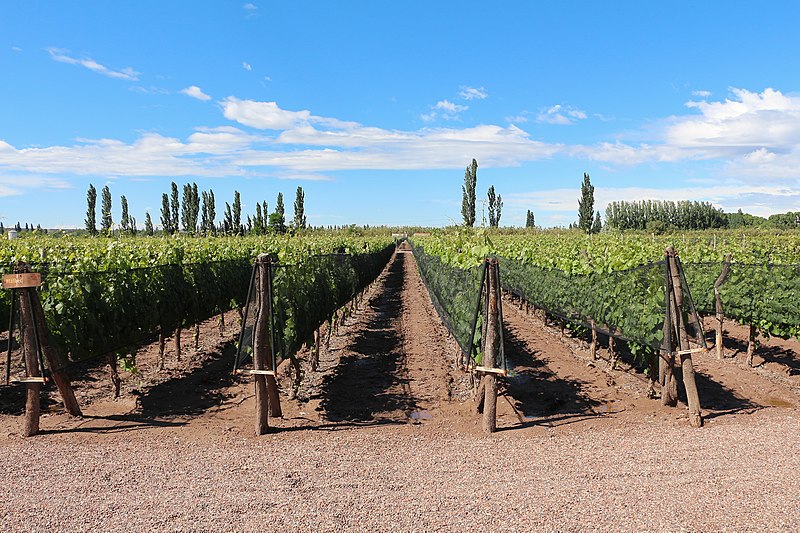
495 208
166 218
277 220
105 214
124 221
174 206
586 205
530 222
91 215
299 209
148 224
468 194
597 225
237 213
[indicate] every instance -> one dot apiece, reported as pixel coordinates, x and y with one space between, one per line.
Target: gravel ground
737 476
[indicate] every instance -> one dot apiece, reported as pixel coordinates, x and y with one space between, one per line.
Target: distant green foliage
683 215
468 194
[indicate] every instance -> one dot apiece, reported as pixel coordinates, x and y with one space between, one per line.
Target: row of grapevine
93 311
455 294
763 287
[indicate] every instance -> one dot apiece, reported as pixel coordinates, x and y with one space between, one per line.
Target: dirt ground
384 436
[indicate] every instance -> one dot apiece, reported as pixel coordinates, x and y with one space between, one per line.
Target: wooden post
593 345
261 346
32 390
666 360
315 353
751 345
55 362
612 353
490 354
178 331
111 359
160 348
718 304
695 418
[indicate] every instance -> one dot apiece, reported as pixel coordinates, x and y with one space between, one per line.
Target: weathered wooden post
718 305
261 344
692 397
33 380
593 345
55 361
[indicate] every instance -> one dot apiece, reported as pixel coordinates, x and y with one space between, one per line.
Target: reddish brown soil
384 436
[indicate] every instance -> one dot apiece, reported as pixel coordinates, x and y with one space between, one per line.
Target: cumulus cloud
262 115
62 56
472 93
701 94
562 115
247 66
195 92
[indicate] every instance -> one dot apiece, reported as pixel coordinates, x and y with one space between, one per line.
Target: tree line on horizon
195 214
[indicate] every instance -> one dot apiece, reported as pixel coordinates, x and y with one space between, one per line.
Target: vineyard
356 332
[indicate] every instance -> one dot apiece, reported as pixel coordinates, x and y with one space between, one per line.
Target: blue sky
376 108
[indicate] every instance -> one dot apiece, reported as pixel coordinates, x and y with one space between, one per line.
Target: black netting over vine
455 294
766 296
95 313
628 304
307 294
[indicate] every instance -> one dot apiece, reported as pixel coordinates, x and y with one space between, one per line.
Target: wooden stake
315 353
593 346
178 332
111 359
55 362
161 348
718 304
692 397
32 389
751 345
612 353
261 344
490 353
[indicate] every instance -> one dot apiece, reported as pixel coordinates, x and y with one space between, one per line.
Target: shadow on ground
368 384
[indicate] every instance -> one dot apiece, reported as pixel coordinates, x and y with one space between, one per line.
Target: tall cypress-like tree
277 220
190 208
148 224
166 218
597 225
212 212
174 208
530 221
468 194
495 208
204 214
237 213
586 205
299 209
124 220
227 222
91 213
105 213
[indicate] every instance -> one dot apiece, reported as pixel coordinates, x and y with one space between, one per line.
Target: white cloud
195 92
472 93
14 185
701 94
16 49
249 6
450 107
247 66
756 135
562 115
262 115
62 56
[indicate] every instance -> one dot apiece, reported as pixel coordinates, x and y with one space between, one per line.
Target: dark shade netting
95 313
306 294
455 293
